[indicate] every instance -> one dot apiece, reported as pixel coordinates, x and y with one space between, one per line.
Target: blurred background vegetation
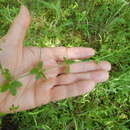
101 24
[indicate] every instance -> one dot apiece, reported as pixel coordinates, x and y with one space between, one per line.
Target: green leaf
4 87
6 74
38 71
13 91
34 71
15 84
9 84
13 87
14 108
40 65
67 61
38 76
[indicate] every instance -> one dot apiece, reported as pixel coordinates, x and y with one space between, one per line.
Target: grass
101 24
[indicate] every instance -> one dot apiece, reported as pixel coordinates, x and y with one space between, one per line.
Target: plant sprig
13 108
38 71
10 83
67 62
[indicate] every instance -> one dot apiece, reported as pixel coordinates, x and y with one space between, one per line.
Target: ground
101 24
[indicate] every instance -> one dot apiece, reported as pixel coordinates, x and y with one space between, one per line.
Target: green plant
14 108
38 71
11 84
101 24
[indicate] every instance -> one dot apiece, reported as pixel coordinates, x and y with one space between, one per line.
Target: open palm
82 77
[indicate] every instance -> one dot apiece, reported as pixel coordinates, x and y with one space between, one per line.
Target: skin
81 79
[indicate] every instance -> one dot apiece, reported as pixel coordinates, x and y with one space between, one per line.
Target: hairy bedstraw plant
11 84
38 71
66 63
14 108
101 24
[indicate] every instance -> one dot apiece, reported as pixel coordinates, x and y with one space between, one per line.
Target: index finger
72 53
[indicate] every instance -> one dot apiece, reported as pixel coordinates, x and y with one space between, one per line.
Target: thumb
19 27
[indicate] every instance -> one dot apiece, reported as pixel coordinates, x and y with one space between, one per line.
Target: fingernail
104 65
100 76
23 9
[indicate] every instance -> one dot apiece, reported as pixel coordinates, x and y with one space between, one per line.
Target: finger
105 65
75 89
89 66
72 53
97 76
53 71
19 27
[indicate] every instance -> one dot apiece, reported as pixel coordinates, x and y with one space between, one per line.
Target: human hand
81 79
